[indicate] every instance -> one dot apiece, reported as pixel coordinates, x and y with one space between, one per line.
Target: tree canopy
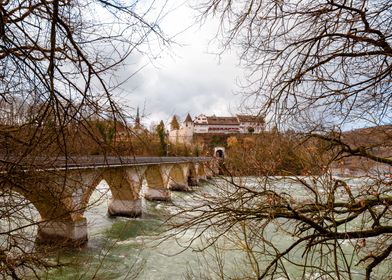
174 123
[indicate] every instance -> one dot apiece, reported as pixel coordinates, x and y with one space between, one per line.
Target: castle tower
188 130
188 121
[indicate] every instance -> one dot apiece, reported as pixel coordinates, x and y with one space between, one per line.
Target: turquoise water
121 248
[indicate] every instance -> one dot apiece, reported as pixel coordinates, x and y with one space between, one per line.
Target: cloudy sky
188 78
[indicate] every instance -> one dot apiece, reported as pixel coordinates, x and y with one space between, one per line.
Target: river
122 248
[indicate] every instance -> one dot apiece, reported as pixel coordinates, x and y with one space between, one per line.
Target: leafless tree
57 74
331 57
321 67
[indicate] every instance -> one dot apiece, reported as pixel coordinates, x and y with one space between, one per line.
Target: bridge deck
88 162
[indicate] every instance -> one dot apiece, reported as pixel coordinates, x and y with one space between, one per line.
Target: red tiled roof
249 118
222 120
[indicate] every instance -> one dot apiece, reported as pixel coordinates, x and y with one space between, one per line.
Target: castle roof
222 120
215 120
188 118
251 119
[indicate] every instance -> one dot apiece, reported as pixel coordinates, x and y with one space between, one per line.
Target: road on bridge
87 162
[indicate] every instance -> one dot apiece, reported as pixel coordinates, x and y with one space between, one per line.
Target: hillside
374 140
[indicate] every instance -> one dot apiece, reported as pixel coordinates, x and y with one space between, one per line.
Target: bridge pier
63 233
202 171
193 181
62 194
156 177
202 178
191 176
179 186
159 194
177 178
125 184
125 208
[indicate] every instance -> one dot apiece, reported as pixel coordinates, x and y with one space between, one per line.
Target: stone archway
156 187
60 222
125 185
177 180
192 178
201 174
219 153
62 195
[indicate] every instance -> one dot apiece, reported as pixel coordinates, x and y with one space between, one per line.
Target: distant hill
375 140
370 136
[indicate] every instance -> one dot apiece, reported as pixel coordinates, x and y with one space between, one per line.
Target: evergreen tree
174 125
161 131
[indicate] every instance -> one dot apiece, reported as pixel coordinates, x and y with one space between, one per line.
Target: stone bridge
61 190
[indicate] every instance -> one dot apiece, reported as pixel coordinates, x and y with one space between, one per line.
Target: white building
201 124
184 134
223 124
250 124
213 124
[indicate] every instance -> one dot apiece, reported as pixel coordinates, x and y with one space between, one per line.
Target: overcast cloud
189 80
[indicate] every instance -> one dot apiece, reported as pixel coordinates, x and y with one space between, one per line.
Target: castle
203 124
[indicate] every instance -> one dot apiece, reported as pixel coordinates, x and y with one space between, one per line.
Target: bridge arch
61 194
60 221
178 180
192 175
124 184
156 185
48 205
201 173
154 177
